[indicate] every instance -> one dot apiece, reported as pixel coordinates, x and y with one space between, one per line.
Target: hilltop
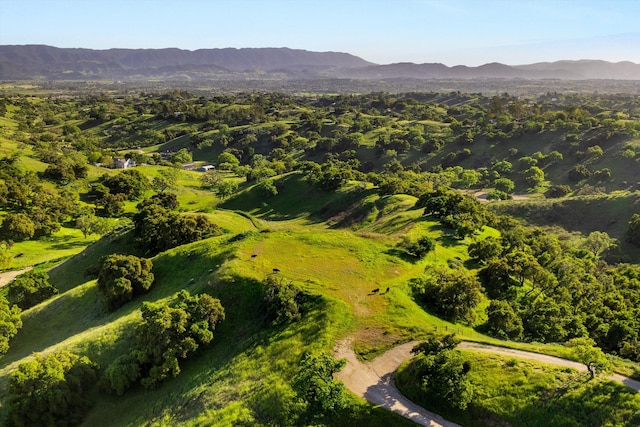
41 62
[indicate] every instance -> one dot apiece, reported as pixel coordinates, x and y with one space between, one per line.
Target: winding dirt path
8 276
374 380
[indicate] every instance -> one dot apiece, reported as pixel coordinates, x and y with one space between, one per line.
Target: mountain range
41 62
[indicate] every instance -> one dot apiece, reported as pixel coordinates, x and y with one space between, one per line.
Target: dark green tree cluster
328 176
30 288
316 387
10 323
158 227
66 168
458 211
284 300
122 277
418 247
35 211
451 294
545 291
168 333
130 183
52 390
442 372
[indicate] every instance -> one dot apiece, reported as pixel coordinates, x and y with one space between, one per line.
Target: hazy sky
469 32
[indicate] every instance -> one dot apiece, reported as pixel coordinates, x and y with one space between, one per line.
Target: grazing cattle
254 255
192 280
276 270
375 291
211 270
386 290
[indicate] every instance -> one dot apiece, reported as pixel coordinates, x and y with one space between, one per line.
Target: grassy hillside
527 393
341 247
607 212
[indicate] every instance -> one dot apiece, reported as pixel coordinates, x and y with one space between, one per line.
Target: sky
452 32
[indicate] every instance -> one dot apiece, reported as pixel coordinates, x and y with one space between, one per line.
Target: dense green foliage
123 277
158 228
130 183
168 333
419 247
315 386
10 323
442 373
452 294
30 288
284 300
52 390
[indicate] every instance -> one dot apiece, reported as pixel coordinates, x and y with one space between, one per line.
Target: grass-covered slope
244 376
516 392
609 213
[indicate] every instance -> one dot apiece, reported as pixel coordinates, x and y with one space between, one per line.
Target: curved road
7 276
374 380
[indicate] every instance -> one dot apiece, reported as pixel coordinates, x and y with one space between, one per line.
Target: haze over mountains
40 62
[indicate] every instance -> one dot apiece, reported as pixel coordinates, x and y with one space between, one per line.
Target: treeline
539 287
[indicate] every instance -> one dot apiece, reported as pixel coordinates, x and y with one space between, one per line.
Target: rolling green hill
328 195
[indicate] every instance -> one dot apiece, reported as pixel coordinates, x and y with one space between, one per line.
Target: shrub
579 172
121 277
10 323
283 300
419 247
30 288
51 390
168 332
17 227
556 191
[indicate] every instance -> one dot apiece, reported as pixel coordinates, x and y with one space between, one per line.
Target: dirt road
8 276
374 382
465 345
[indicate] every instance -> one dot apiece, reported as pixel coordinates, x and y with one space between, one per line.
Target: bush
579 172
418 248
283 300
17 227
52 390
30 288
10 323
556 191
121 277
168 332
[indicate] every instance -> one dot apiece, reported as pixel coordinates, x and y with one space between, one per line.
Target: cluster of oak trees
540 288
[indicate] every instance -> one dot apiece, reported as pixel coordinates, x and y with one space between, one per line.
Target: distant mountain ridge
41 62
